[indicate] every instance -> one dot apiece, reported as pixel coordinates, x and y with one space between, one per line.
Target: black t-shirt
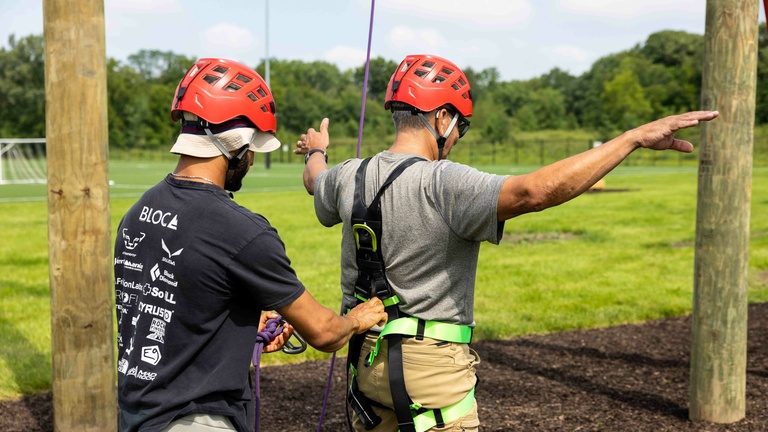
193 271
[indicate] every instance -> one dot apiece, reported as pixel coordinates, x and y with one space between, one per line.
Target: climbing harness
273 328
372 282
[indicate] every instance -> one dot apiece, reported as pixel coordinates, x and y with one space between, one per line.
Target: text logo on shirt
158 217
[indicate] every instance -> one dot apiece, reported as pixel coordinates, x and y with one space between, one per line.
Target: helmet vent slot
233 87
220 69
261 92
439 79
420 73
252 96
406 65
455 86
462 82
242 78
446 71
428 64
211 79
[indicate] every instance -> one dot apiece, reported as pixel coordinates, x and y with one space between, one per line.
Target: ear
443 120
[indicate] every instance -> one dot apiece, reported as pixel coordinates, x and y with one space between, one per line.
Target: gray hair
404 118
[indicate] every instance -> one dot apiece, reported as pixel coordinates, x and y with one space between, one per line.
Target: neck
420 142
204 170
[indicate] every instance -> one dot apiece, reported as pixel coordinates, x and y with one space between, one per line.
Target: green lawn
623 255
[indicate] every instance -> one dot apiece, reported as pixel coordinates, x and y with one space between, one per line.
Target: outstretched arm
323 328
316 163
566 179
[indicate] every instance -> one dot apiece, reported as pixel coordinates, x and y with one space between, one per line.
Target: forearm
321 327
564 180
315 165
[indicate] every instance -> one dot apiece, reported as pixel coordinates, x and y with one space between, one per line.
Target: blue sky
521 38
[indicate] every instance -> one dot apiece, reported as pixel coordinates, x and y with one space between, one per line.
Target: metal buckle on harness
367 234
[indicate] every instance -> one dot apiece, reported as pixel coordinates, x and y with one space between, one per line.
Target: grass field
623 255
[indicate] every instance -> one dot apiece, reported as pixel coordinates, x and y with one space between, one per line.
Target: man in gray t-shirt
444 210
434 217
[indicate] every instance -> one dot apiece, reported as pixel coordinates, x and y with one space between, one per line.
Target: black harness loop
372 282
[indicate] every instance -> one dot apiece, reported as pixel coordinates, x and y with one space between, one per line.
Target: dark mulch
624 378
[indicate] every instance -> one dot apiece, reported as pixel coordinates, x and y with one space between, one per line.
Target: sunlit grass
623 255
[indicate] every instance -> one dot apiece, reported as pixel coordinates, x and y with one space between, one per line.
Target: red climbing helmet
217 90
427 82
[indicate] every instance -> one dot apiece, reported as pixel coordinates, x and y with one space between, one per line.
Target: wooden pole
79 245
719 328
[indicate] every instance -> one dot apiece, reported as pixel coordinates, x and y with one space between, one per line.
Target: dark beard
234 180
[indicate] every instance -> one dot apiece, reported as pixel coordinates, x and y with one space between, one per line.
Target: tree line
662 76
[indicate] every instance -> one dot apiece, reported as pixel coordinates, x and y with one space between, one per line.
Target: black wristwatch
309 153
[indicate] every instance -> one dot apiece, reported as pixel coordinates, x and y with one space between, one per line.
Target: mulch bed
624 378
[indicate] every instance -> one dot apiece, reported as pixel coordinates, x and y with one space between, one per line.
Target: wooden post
719 333
79 245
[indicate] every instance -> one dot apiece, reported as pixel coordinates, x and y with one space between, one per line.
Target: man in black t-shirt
194 270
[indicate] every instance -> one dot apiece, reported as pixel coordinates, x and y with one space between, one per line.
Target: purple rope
359 143
264 337
365 82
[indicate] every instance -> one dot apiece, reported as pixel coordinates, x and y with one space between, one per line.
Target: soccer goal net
22 160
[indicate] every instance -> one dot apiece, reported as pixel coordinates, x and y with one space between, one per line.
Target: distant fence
528 152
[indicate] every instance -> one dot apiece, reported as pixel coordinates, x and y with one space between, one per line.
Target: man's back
434 217
189 301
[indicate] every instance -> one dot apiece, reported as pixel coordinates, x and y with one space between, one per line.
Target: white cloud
488 13
575 54
421 40
346 57
143 6
632 9
227 38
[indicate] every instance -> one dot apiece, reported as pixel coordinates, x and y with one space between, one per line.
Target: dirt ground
624 378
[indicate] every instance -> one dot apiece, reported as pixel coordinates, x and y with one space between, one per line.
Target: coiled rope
273 329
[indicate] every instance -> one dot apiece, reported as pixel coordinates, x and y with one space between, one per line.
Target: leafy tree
485 81
380 71
624 99
672 48
22 88
161 67
511 96
548 105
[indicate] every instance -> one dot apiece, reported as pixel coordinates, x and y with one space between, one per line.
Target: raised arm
316 162
566 179
327 331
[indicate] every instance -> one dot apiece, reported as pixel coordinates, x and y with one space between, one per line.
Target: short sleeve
264 271
467 199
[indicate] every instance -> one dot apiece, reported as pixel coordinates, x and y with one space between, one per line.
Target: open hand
659 134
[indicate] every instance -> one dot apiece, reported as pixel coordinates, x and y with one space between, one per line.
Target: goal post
22 160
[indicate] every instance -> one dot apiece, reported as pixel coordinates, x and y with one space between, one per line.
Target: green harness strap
409 326
428 419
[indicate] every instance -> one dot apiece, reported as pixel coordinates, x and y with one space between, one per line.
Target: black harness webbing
372 282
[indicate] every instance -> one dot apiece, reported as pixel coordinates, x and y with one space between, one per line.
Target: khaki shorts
437 374
200 423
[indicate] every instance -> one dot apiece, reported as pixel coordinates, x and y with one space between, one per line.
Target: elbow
328 343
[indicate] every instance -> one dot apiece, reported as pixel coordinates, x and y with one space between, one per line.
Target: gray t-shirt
434 217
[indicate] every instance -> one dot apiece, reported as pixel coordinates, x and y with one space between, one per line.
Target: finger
682 146
324 125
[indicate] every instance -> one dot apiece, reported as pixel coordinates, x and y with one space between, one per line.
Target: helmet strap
233 161
440 139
